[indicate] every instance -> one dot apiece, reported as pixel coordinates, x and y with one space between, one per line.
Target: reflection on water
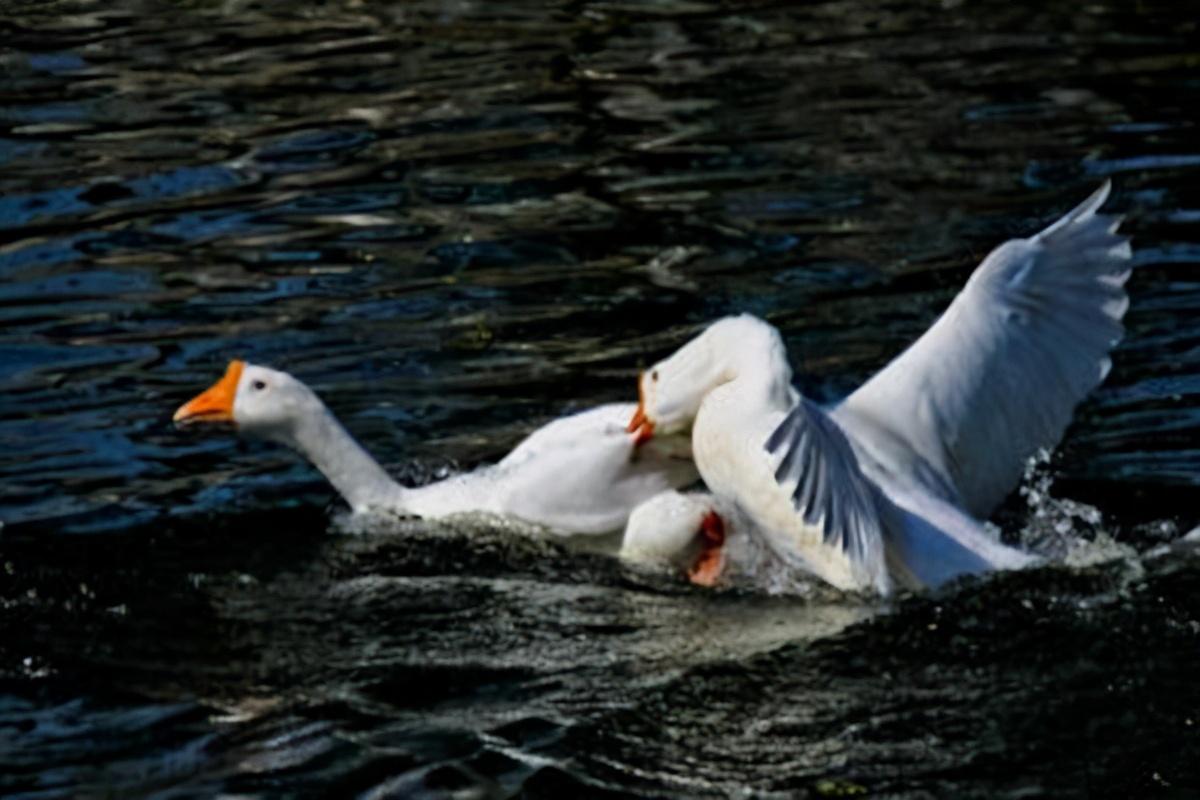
458 220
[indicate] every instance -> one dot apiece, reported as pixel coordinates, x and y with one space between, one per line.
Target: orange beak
640 424
215 404
707 569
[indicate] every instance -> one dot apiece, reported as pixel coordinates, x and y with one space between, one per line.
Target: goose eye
258 386
654 376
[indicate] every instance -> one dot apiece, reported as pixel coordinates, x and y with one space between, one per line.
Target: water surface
458 220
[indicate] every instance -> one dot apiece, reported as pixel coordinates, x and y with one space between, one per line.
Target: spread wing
1000 373
828 489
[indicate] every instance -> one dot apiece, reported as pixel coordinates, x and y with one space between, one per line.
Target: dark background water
457 220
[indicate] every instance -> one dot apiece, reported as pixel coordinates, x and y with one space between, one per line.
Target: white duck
580 474
887 484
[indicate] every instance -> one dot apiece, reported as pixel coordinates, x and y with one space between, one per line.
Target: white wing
584 474
828 490
1000 373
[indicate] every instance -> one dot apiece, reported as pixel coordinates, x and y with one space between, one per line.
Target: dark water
457 220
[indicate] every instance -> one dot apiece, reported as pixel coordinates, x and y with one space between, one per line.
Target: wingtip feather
1095 200
1083 211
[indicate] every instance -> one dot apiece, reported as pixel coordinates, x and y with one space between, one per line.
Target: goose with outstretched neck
888 486
580 474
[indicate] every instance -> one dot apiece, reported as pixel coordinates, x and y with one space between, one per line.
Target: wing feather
1000 373
828 489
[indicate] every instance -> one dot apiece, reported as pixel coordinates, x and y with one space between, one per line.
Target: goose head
680 531
671 391
269 404
256 400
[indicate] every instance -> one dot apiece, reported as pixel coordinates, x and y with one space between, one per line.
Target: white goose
713 543
886 486
705 538
680 531
580 474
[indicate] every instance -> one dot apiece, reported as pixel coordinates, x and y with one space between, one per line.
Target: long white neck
357 477
755 366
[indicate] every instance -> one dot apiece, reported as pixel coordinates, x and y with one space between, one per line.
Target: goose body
580 474
887 487
713 543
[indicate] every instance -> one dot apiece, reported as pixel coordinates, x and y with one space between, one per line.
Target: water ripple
457 220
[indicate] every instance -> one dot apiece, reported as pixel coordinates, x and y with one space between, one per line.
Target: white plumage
888 485
1000 373
580 474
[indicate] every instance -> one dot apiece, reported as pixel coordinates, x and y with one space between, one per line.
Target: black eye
654 376
258 386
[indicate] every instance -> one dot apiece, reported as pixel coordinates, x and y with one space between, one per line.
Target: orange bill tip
712 528
706 570
214 404
639 416
645 432
640 424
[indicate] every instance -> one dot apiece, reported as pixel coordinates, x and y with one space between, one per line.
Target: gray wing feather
827 486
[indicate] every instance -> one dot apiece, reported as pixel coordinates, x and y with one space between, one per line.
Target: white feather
1000 373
